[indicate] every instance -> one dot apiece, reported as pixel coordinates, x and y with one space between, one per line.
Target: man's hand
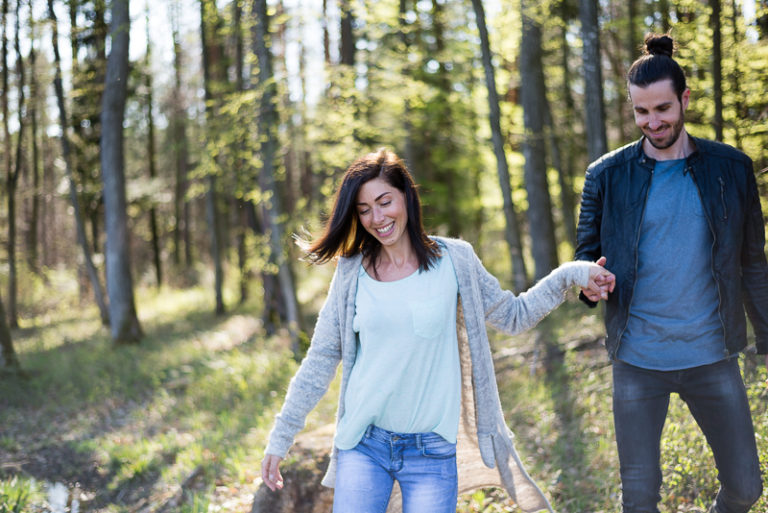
601 282
270 472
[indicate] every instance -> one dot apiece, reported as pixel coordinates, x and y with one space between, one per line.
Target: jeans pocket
440 449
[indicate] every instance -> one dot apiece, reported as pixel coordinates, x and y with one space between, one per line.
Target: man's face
658 112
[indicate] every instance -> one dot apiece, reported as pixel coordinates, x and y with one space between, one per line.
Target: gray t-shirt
673 318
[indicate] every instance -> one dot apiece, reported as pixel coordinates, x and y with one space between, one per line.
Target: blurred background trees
240 116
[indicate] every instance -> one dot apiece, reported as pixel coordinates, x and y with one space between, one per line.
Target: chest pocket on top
429 317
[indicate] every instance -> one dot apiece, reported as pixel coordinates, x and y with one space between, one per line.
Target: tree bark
542 229
240 166
570 148
152 165
211 206
8 359
13 172
73 196
717 67
593 80
267 122
736 75
632 40
34 91
178 134
326 35
512 228
664 14
347 34
567 206
7 351
124 324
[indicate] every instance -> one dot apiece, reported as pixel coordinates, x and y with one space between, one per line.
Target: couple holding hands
678 219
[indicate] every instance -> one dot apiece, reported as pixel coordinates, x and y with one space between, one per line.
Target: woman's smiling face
382 211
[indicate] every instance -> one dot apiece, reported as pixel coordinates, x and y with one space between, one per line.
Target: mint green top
406 376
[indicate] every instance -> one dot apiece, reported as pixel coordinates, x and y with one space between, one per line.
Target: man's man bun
659 45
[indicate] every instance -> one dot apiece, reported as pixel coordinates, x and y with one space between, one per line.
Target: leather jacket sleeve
754 266
590 216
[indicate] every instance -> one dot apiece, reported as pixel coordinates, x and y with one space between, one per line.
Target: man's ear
685 98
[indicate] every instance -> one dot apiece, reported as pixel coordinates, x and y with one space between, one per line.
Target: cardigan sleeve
315 373
515 314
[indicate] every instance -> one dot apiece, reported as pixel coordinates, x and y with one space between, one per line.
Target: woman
405 315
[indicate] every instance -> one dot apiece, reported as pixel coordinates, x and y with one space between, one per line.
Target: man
679 220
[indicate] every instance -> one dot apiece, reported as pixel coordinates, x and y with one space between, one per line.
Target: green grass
131 423
564 425
194 402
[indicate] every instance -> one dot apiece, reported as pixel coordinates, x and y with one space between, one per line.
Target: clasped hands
601 282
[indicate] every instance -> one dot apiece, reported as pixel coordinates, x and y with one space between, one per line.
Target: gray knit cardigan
486 455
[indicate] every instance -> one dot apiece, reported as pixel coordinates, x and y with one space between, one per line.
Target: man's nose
654 123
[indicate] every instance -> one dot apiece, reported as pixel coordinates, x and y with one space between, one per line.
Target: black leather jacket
612 207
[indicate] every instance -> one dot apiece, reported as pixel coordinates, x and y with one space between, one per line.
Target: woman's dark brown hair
343 234
656 64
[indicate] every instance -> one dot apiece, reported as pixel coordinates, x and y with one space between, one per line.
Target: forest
160 159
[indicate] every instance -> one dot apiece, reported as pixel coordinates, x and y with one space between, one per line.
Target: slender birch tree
124 323
66 153
512 228
268 119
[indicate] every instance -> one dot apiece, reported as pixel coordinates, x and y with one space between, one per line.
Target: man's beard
677 129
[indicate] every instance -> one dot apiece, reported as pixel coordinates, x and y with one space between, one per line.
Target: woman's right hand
601 282
270 472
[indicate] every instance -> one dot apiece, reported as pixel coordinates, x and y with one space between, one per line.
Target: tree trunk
632 40
12 170
567 206
347 34
717 67
240 166
34 92
543 246
512 228
151 157
7 351
268 135
271 313
736 75
326 35
409 153
67 155
8 359
178 134
593 80
570 148
124 323
211 206
664 13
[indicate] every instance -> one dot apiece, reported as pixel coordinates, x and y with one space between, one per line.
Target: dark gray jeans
716 397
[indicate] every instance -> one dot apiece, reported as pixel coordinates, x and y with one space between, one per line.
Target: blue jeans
424 464
716 398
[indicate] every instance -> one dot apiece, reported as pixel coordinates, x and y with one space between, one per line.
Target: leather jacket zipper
634 282
714 241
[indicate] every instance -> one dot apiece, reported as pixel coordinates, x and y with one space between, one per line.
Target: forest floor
179 422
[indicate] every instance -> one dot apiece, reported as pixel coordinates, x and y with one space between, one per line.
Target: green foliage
17 494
